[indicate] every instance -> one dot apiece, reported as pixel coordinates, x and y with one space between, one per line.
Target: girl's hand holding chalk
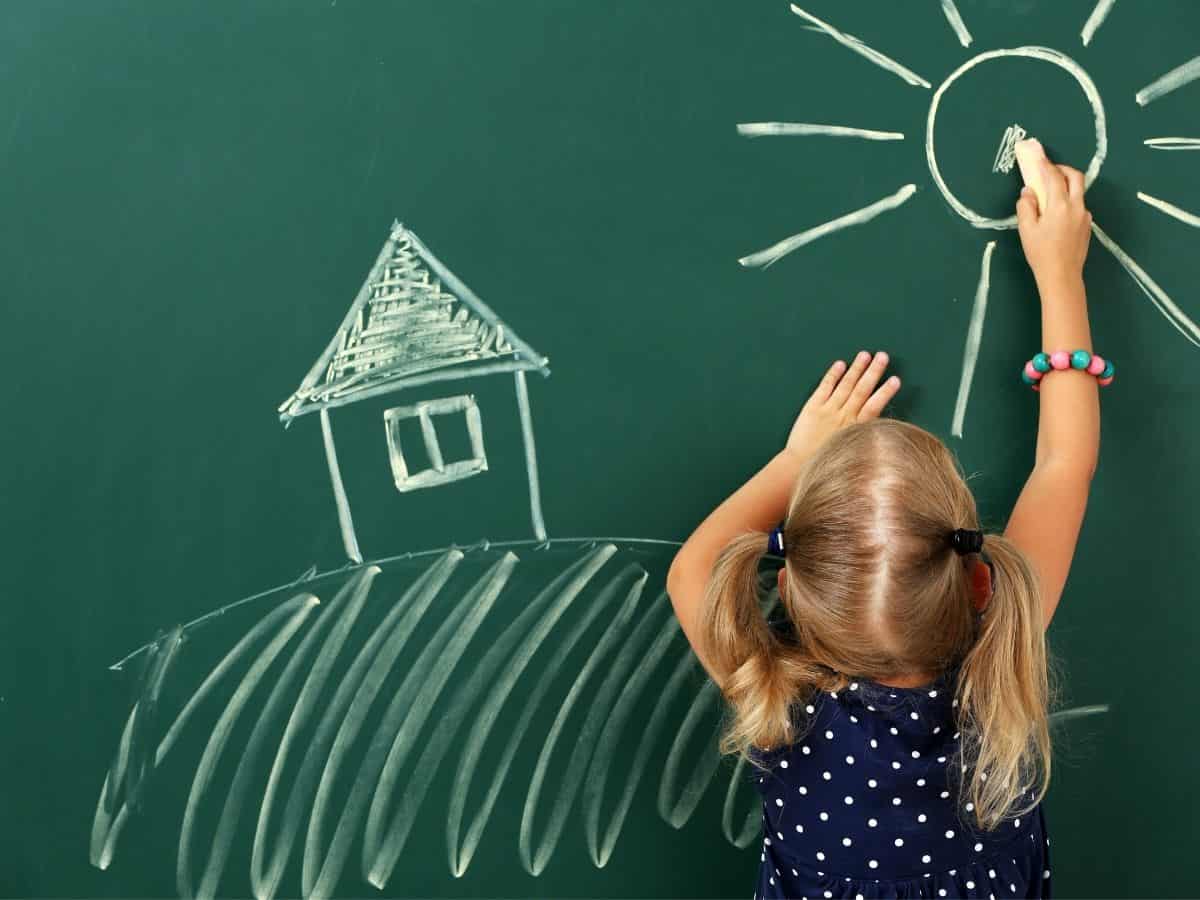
1053 222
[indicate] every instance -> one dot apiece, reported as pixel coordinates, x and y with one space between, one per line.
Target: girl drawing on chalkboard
896 709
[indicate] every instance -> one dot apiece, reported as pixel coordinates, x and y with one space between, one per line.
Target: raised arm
843 397
1048 515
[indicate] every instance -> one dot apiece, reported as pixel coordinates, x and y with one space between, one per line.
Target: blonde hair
874 589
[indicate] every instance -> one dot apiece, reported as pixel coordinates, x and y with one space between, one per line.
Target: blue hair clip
775 541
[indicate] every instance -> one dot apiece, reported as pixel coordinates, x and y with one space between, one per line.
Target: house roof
412 322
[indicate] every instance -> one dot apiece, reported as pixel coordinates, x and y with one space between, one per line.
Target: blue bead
1025 377
1080 359
1041 362
1108 369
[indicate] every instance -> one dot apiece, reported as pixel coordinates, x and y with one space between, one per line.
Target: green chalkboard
365 361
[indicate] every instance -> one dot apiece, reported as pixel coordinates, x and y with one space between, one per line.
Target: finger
829 382
868 382
1027 208
1054 183
881 398
850 379
1074 181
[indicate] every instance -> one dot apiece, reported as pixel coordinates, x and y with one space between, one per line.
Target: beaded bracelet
1061 359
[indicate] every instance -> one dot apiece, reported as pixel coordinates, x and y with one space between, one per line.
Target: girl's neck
908 681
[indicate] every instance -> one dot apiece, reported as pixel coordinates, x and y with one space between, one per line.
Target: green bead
1080 359
1041 362
1025 377
1108 369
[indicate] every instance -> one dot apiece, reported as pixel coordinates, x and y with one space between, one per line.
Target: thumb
1027 208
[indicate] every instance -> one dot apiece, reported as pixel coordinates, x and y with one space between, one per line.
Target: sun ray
1077 712
850 42
1095 20
1173 80
956 22
1177 317
1171 210
1172 143
764 258
974 339
768 129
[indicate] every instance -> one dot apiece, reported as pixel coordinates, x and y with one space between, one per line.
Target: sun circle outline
1045 54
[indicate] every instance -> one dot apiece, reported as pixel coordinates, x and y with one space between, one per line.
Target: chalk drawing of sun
1175 78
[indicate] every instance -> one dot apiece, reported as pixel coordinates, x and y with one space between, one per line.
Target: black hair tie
775 544
965 540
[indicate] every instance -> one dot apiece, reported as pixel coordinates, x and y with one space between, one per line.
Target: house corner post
535 492
349 539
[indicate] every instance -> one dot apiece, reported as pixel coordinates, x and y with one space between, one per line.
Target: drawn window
439 471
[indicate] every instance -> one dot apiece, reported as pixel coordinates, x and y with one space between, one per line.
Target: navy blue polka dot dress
862 806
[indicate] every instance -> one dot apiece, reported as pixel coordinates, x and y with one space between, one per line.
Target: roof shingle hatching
412 322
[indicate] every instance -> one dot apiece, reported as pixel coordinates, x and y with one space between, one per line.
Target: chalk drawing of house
412 325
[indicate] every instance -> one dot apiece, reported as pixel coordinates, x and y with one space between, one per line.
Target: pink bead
1032 372
1105 382
1036 387
1060 359
1096 366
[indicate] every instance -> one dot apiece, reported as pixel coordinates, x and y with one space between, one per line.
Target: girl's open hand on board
843 397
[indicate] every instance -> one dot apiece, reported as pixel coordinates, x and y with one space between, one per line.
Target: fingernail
863 354
894 380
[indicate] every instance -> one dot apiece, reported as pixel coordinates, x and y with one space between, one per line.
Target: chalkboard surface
366 360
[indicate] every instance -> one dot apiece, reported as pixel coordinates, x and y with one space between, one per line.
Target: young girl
897 708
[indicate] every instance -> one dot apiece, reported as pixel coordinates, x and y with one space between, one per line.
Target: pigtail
762 676
1004 694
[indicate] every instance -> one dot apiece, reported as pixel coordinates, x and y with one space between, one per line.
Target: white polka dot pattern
872 800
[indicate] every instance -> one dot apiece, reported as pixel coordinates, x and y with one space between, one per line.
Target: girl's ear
981 584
